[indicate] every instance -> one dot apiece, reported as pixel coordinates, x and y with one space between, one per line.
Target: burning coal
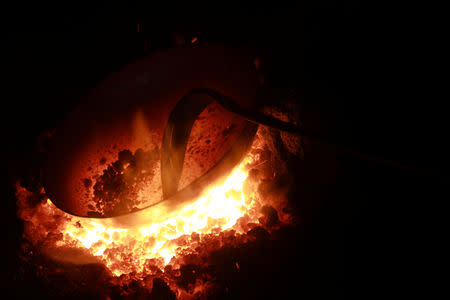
171 257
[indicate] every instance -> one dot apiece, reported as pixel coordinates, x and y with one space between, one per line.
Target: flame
157 243
125 249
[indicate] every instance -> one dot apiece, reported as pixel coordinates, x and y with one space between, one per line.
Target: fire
126 249
217 209
158 242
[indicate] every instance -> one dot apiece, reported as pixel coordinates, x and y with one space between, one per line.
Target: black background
358 71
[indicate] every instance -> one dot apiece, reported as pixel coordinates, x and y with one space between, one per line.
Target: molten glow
125 250
179 246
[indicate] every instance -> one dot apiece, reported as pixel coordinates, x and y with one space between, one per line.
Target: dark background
359 72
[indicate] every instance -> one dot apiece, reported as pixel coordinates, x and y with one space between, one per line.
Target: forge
203 151
165 164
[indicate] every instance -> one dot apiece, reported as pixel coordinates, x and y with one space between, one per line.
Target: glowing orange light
217 209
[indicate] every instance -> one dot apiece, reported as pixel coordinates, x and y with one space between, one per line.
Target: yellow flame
218 208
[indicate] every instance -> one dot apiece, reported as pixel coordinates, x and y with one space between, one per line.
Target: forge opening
243 209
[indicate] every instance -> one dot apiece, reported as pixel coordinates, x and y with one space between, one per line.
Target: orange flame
158 242
125 245
217 209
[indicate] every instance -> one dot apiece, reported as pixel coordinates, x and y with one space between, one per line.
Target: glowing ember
124 250
160 242
217 209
